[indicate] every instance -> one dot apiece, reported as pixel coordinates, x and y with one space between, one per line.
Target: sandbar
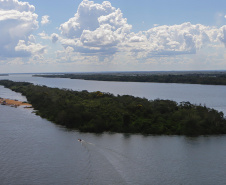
5 101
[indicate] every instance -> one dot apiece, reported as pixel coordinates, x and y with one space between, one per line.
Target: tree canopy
100 112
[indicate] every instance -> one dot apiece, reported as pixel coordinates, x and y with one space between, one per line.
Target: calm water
34 151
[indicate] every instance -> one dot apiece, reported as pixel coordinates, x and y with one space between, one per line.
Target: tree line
100 112
193 78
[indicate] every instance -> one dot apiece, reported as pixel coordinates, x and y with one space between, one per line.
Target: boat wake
114 166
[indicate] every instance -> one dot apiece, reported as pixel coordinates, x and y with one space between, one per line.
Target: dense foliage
193 78
98 112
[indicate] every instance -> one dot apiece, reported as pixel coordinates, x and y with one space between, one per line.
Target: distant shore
10 102
205 78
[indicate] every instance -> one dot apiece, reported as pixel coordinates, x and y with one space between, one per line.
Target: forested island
207 78
100 112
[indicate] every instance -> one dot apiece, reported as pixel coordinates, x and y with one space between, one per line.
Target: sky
126 35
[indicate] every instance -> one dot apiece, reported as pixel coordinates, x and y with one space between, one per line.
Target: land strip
205 78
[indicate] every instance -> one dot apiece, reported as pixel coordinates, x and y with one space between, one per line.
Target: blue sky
75 35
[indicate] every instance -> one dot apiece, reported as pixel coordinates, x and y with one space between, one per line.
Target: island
187 77
104 112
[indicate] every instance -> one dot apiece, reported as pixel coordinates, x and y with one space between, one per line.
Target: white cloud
86 18
45 20
98 33
175 40
102 36
18 21
95 28
222 35
30 48
43 35
137 38
101 29
16 5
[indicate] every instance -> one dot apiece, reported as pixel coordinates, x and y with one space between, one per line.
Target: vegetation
99 112
207 78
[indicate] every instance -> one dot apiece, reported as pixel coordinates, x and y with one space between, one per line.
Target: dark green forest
211 78
100 112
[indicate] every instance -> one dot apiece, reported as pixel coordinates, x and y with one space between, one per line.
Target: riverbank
15 103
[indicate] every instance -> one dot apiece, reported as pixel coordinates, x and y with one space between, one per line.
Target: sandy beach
13 102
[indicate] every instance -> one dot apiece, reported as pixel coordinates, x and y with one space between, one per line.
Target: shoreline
15 103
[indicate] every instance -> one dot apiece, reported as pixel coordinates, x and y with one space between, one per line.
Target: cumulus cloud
45 19
18 21
16 5
95 28
43 35
173 40
137 38
222 35
53 37
101 29
86 18
30 48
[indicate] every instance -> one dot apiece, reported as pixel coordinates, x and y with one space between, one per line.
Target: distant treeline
4 75
99 112
193 78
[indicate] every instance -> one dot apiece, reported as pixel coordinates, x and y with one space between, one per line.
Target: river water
34 151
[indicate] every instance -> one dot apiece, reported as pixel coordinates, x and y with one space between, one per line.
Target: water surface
34 151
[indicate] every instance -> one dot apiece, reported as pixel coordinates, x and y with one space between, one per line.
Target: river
34 151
